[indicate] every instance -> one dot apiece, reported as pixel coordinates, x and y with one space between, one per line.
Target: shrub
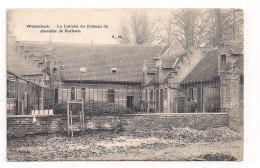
218 157
105 108
97 108
60 108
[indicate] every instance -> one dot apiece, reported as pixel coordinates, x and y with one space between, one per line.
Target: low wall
22 125
155 122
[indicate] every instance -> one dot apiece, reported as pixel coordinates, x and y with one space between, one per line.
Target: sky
54 17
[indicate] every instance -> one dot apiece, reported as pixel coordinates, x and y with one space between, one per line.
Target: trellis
74 113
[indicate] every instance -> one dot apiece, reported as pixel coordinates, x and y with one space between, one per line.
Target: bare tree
139 29
165 34
237 17
125 33
228 24
192 26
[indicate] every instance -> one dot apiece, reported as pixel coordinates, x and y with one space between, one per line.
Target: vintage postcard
125 84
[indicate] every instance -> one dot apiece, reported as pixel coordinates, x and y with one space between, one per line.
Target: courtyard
175 144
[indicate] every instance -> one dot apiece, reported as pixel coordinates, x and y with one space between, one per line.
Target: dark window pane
151 95
72 93
72 96
111 96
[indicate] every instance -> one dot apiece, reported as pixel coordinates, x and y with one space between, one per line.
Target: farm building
105 75
211 80
163 74
157 71
161 79
117 79
193 81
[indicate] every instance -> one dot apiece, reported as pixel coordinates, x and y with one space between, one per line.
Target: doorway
161 100
130 101
157 100
56 96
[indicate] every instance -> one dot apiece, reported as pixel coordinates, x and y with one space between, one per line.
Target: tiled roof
151 68
165 48
205 70
98 59
168 62
236 47
152 80
172 49
17 64
172 53
239 63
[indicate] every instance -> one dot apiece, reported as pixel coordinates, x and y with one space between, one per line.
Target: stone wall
23 125
155 122
230 86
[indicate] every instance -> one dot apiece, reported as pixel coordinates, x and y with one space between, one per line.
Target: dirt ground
177 144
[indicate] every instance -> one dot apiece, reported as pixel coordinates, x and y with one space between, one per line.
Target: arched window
223 61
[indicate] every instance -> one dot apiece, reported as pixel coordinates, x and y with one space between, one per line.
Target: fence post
68 121
17 95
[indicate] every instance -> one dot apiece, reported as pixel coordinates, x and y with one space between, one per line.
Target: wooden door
181 105
130 101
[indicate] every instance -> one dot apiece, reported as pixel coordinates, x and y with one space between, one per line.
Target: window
83 93
82 69
11 95
113 70
222 61
39 97
111 96
72 93
191 93
165 93
11 90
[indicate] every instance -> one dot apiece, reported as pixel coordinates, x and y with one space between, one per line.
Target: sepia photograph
125 84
